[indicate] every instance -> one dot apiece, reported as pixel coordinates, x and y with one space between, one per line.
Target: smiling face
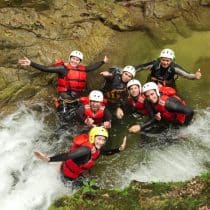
95 105
165 62
134 90
74 61
99 142
126 76
151 96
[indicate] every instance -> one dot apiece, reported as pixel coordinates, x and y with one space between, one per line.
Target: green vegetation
189 195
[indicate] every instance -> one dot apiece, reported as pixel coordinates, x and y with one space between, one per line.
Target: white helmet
77 54
96 95
130 69
133 82
167 53
151 86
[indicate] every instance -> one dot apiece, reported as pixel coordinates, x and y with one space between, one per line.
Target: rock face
48 30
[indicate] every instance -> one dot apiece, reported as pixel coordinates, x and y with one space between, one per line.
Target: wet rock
205 2
48 30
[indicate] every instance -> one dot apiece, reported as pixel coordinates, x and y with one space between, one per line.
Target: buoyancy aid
73 170
98 116
169 91
115 89
75 80
138 104
164 76
173 117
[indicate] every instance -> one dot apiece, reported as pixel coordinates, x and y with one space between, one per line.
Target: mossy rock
17 91
112 14
3 83
193 194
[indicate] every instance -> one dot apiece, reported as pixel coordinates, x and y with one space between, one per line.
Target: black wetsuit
172 104
62 71
81 155
115 89
167 75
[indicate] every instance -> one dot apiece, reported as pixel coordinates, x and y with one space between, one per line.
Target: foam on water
176 162
26 183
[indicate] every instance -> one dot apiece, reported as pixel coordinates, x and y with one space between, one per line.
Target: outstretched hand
134 129
106 74
105 59
119 113
198 74
24 61
41 156
123 145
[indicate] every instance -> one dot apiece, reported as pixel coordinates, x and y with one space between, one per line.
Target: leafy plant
89 186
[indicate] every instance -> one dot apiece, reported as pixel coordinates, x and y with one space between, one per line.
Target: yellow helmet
97 131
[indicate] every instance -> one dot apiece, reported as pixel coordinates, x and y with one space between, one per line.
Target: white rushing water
26 183
180 161
30 184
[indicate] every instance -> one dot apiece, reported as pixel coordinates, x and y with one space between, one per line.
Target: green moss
99 199
204 177
7 93
189 195
25 92
188 203
2 83
159 188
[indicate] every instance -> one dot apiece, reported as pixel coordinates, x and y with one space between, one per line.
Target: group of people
157 99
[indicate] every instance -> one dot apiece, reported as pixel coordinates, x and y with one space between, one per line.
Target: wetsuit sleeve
80 113
107 115
61 70
148 123
94 66
78 153
174 105
182 72
151 112
144 66
109 152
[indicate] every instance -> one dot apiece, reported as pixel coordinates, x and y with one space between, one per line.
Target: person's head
128 73
167 56
98 136
96 98
75 58
134 87
151 92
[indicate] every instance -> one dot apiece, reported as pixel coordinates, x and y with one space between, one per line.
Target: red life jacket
75 80
98 116
173 117
169 91
139 104
73 170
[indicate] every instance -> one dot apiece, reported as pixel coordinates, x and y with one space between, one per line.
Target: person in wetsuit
164 70
83 154
93 110
115 87
72 76
171 109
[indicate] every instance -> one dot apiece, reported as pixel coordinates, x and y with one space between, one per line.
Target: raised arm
61 70
78 153
96 65
182 72
144 66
